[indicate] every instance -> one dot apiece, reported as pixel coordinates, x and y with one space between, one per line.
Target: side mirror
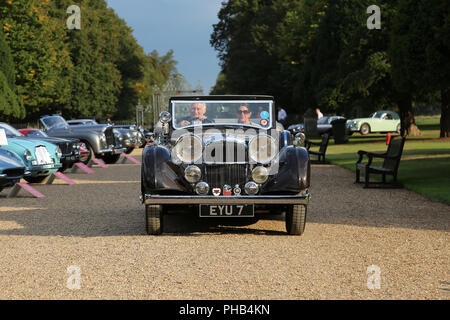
299 139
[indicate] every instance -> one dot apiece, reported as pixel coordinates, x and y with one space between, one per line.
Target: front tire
37 179
365 129
296 219
91 152
154 219
129 150
111 158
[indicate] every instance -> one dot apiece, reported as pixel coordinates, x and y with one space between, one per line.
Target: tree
246 38
10 106
420 48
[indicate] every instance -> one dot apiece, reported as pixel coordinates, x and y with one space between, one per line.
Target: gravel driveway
98 227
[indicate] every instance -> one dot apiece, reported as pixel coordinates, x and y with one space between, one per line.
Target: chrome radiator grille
110 139
221 174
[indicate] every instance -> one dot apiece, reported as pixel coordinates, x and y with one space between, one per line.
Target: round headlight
251 188
58 153
27 155
260 174
202 188
262 148
188 148
299 139
192 174
165 117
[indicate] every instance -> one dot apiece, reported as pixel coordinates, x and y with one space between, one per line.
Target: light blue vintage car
41 158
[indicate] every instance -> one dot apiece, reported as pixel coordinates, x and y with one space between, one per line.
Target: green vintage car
380 121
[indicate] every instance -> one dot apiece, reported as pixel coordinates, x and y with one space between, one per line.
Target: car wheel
63 168
296 219
37 179
111 158
154 219
365 129
129 150
91 152
399 127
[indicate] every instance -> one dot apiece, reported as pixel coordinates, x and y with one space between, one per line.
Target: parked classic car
99 139
41 158
83 153
70 148
12 168
324 125
380 121
221 157
131 138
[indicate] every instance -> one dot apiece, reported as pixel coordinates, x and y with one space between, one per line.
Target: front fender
293 175
160 174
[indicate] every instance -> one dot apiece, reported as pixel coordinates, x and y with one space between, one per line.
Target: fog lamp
192 174
260 174
202 188
251 188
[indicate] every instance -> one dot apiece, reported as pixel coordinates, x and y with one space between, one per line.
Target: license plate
117 151
227 210
48 166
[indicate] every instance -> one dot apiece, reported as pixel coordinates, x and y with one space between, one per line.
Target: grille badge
216 192
227 190
237 191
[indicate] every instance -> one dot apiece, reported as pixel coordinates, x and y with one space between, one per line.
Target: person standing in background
282 116
319 114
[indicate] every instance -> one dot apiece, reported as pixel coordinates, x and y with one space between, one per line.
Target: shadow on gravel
34 221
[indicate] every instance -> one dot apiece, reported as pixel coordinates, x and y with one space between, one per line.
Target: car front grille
16 172
231 174
110 140
66 147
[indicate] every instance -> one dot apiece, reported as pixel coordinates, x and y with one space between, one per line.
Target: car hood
23 144
95 127
9 160
53 140
360 119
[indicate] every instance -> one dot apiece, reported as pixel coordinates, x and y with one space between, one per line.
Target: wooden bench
390 164
322 147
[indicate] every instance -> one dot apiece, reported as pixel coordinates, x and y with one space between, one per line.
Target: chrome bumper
157 199
115 151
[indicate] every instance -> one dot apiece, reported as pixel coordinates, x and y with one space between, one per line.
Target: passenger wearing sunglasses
244 114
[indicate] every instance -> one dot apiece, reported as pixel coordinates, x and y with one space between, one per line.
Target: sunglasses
243 111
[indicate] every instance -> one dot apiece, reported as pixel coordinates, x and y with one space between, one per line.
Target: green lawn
425 165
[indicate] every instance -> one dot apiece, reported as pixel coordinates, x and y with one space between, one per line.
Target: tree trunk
445 113
408 123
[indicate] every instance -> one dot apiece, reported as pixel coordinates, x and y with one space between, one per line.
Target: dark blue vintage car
12 168
224 157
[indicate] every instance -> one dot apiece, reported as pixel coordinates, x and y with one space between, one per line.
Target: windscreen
10 131
239 113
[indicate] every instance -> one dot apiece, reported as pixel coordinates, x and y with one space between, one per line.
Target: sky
182 25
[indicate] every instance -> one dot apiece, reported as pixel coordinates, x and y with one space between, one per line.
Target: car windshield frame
87 122
377 114
271 119
41 134
60 124
8 128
